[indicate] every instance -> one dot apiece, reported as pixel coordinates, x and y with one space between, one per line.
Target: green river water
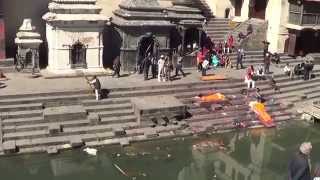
243 155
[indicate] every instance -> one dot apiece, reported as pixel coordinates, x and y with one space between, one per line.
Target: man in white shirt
161 63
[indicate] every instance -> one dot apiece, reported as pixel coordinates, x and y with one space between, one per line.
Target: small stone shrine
28 41
144 28
75 36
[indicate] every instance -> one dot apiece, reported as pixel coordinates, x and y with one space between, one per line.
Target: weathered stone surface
76 141
64 113
157 106
52 150
94 118
119 131
151 133
124 142
9 147
54 129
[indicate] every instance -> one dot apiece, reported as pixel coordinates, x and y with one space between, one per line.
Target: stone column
2 33
245 10
183 34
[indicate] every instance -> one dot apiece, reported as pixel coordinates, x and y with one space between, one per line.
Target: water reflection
245 155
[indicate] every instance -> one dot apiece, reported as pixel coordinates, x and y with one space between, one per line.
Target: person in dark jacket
146 66
179 66
116 67
267 62
299 165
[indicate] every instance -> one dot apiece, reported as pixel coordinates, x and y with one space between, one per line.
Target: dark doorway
78 55
147 44
191 40
257 8
227 13
238 6
308 41
112 42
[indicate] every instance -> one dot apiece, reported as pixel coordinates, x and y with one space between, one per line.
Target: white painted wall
277 17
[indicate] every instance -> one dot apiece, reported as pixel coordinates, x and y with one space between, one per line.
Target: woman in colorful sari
214 60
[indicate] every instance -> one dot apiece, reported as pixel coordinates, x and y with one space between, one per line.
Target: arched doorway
78 55
147 44
238 7
257 8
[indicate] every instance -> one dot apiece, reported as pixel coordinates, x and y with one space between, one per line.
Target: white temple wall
60 41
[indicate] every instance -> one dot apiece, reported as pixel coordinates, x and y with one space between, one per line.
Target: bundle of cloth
260 110
211 98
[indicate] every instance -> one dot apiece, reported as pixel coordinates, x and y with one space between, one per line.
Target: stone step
74 93
23 121
109 107
21 107
172 90
118 119
43 126
64 113
25 135
97 128
118 113
93 102
37 98
21 114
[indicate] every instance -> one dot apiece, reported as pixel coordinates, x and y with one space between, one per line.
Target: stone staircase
49 122
217 29
253 41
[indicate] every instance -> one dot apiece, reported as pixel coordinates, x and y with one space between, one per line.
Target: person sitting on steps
95 82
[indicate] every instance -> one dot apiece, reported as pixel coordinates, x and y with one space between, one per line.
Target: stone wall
16 10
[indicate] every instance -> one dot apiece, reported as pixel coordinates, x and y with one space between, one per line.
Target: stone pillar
2 34
245 10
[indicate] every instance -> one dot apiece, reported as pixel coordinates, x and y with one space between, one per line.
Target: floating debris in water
90 151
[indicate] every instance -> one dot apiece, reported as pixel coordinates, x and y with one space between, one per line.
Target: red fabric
230 41
200 57
2 40
250 73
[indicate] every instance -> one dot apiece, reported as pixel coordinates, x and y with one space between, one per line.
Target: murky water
244 155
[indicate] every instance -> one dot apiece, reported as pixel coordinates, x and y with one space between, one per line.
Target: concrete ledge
9 147
76 142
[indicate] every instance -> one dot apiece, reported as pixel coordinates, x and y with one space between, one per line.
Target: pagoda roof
135 23
74 11
53 17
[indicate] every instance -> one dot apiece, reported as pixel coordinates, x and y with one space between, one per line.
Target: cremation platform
146 108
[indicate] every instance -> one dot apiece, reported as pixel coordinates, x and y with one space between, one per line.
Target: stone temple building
74 35
166 25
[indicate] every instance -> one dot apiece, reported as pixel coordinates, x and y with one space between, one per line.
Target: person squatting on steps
95 82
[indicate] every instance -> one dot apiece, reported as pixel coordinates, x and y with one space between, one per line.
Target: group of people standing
215 55
161 68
